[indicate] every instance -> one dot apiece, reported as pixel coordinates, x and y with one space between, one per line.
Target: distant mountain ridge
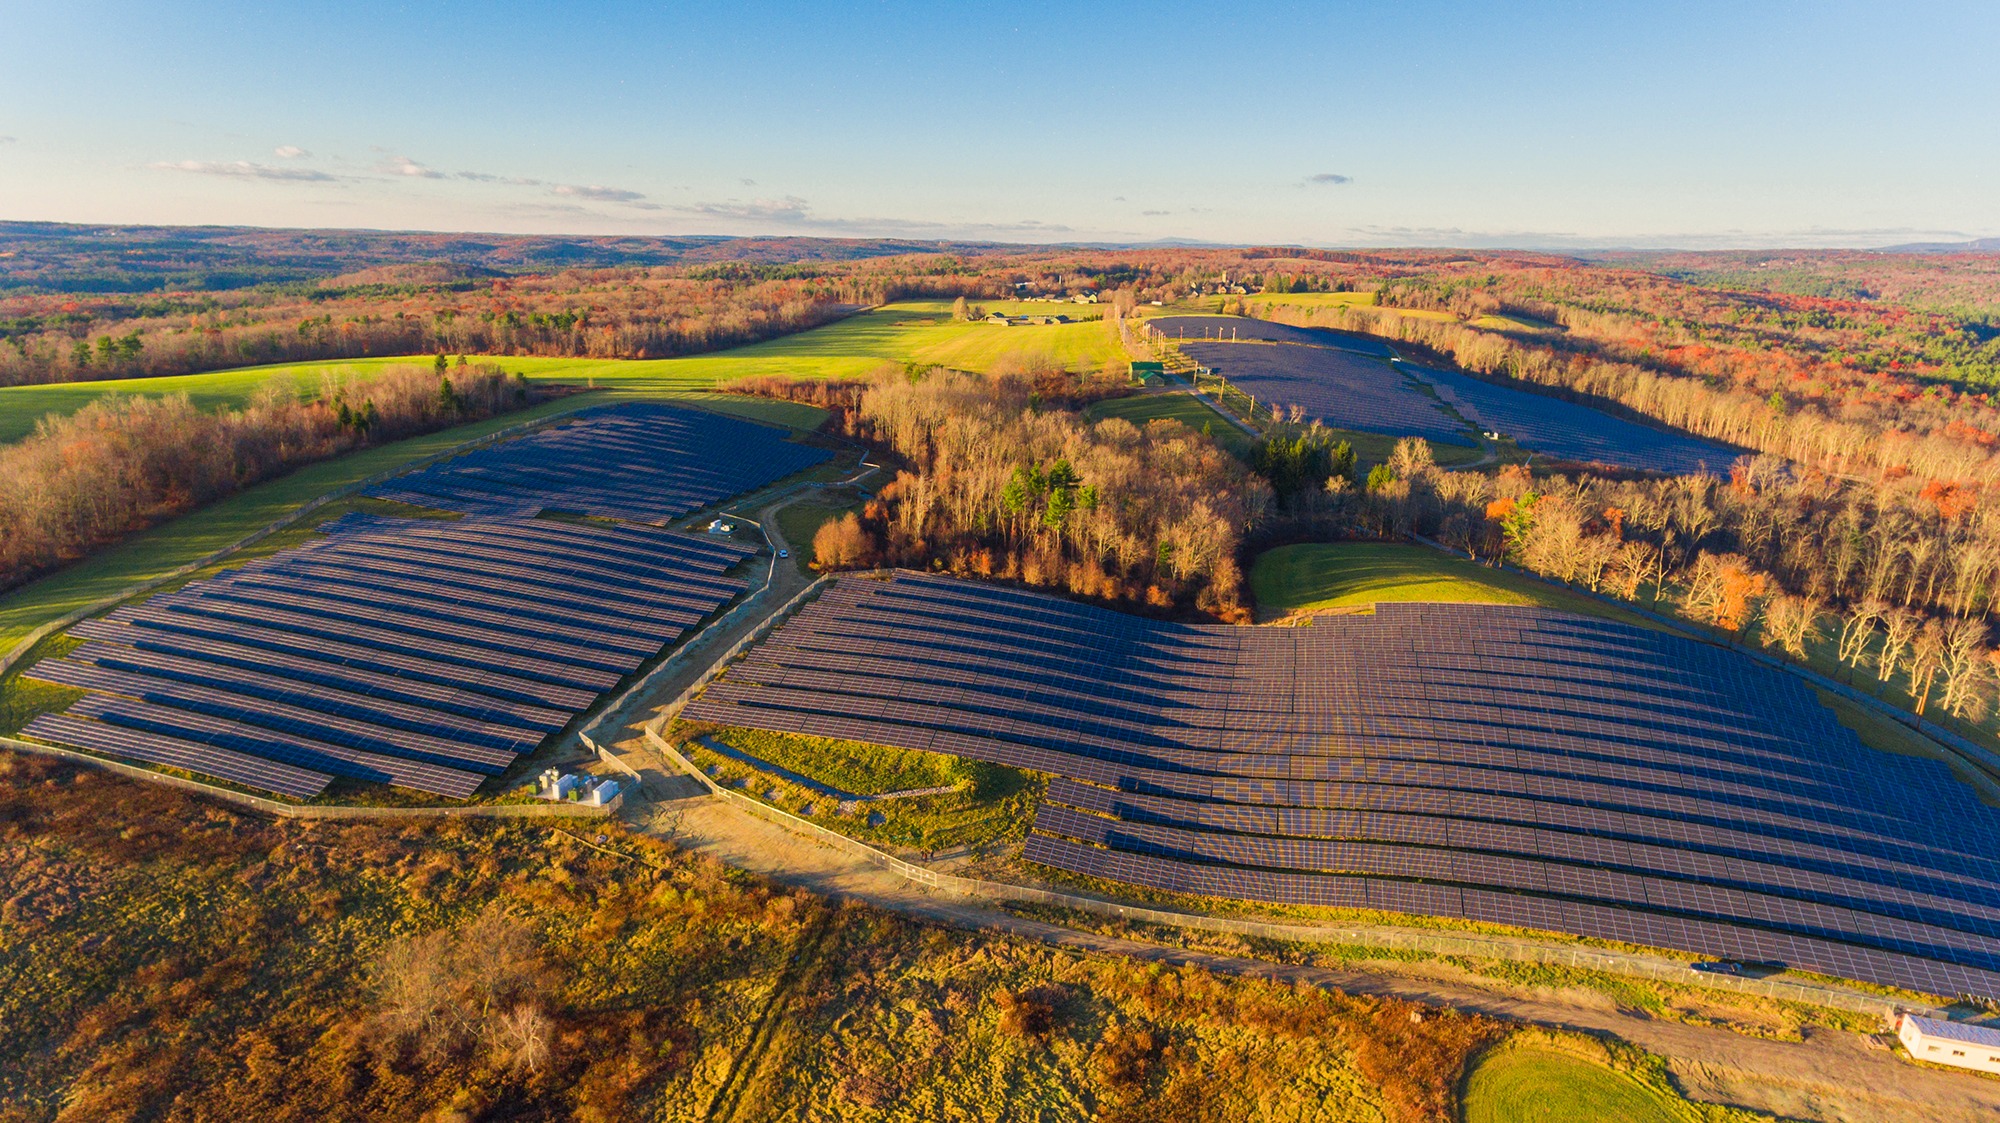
1977 245
52 256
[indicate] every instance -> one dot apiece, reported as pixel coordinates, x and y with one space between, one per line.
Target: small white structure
553 785
1950 1043
720 527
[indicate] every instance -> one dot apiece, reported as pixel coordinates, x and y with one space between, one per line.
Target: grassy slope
1534 1084
1317 575
1184 408
914 331
990 808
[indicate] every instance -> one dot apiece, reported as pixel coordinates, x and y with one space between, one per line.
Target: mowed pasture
921 332
1175 406
1529 1083
1351 576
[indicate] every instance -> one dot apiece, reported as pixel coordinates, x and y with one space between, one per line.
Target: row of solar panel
1721 939
1733 795
609 462
429 676
1959 938
1344 390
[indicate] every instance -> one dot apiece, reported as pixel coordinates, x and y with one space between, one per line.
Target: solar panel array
1340 388
1505 764
639 462
424 653
1239 328
1572 431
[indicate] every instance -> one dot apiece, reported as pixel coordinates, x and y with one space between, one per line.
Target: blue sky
1527 124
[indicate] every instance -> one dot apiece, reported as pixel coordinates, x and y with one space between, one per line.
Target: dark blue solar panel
1587 776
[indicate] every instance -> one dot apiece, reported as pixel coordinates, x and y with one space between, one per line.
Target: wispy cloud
791 208
1155 213
1328 179
404 166
244 169
289 152
791 213
8 139
598 192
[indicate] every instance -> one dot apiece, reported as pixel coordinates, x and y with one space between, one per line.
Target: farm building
1950 1043
1149 373
998 318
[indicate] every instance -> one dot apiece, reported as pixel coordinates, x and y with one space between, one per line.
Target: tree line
1900 594
127 462
997 481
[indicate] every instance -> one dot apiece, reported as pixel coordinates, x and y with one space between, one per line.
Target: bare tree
1858 628
1965 668
1926 659
1899 629
1791 622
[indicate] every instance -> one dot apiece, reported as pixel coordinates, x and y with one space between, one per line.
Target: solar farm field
1341 388
429 653
1512 765
1570 431
1233 329
609 466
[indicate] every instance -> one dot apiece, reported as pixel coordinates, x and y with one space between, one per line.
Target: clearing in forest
1316 576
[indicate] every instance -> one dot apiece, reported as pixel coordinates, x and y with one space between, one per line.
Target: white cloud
8 139
791 208
404 166
289 152
1328 179
598 192
244 169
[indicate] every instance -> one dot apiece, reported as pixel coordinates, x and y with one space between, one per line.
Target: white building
1950 1043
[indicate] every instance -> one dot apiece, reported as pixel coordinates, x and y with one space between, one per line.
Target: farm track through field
770 1042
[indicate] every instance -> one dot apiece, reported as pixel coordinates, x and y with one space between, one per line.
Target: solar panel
429 653
1574 773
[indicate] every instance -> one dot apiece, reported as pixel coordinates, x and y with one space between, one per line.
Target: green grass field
1182 407
912 331
989 805
1331 575
1539 1084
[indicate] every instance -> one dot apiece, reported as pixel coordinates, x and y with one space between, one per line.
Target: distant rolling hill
49 257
